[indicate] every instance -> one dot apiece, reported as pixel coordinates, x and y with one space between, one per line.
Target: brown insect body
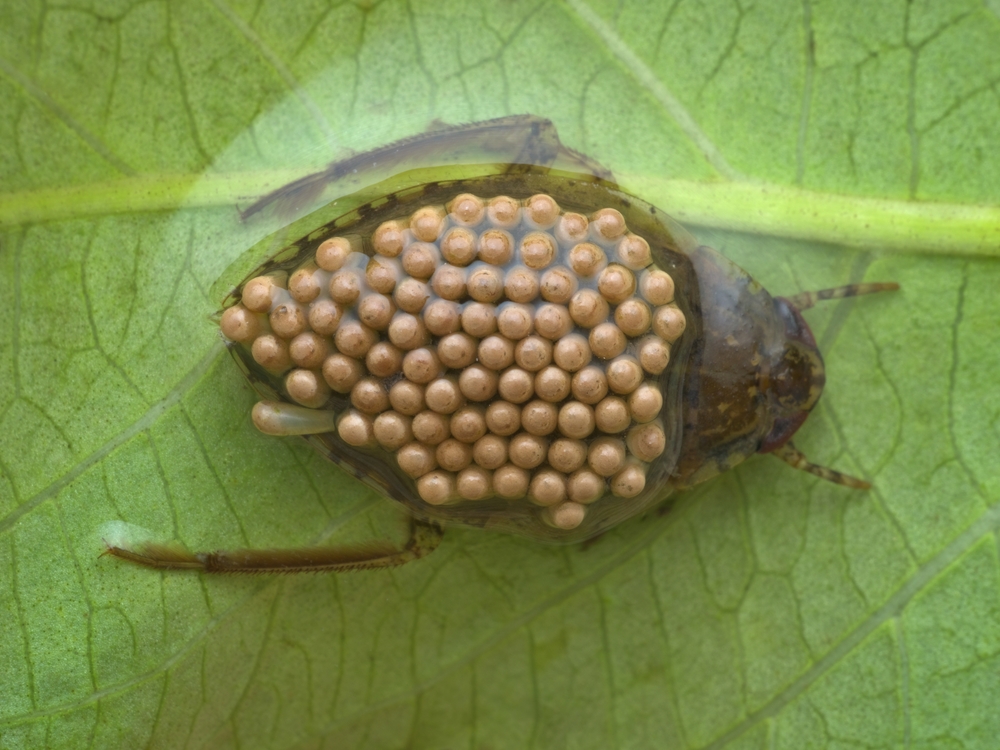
743 393
741 379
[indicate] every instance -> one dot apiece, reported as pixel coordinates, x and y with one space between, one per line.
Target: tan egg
541 211
376 311
515 321
567 455
490 452
496 352
392 430
356 429
485 283
589 385
584 486
331 253
407 398
565 516
633 317
240 324
474 483
448 282
411 295
607 224
629 482
308 349
657 287
496 247
527 451
342 372
307 387
437 488
467 209
468 424
558 285
576 420
668 323
478 383
533 353
479 319
431 428
539 417
552 321
457 350
654 355
443 395
607 341
548 487
587 259
421 365
305 284
552 384
521 285
415 459
271 353
427 223
369 396
511 482
504 212
458 246
537 250
588 308
354 339
324 316
516 385
503 418
420 260
633 252
389 240
442 317
572 228
259 293
616 283
288 319
406 331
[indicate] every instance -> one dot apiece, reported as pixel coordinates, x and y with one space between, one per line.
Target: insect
525 348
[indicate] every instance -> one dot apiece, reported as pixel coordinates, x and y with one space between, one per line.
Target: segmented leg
424 539
805 300
794 458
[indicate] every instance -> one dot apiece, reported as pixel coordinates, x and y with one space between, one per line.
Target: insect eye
797 379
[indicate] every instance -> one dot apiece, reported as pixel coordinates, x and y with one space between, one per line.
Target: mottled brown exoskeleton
524 347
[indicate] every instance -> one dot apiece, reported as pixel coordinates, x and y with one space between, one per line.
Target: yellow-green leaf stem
758 208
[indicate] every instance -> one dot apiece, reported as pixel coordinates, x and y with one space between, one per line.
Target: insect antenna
805 300
794 458
424 539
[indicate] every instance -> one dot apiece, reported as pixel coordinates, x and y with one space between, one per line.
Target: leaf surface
766 610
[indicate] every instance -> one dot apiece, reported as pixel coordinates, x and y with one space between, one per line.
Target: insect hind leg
424 539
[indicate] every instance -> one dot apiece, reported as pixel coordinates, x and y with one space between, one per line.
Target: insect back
483 353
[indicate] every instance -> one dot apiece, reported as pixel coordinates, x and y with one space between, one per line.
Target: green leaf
814 143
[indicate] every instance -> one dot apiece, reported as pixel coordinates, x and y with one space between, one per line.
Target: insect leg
794 458
424 539
805 300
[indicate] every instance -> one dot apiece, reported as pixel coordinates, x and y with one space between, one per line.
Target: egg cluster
493 347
